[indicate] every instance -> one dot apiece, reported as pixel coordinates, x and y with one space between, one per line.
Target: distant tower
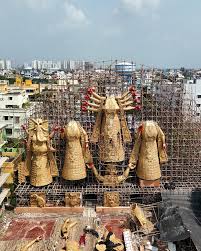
126 70
8 65
2 64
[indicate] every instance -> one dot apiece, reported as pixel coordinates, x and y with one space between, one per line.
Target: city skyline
155 33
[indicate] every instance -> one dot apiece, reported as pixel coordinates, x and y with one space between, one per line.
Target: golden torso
38 146
74 165
111 146
148 167
40 171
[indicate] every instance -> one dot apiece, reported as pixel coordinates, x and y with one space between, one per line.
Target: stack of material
128 241
2 161
180 214
3 178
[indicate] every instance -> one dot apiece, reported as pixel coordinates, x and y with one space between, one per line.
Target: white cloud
38 4
139 5
74 16
67 13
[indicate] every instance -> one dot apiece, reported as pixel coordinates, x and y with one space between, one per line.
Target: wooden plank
3 178
111 210
3 194
2 160
57 210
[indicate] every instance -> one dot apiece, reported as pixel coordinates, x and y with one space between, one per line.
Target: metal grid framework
170 105
164 102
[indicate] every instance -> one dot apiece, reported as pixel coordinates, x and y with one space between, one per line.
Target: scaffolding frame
162 101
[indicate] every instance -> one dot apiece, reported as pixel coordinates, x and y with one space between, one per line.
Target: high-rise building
56 65
66 65
39 65
79 65
8 64
2 64
35 64
5 64
13 111
71 65
193 92
88 66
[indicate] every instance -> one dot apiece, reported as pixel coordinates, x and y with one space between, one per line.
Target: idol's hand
131 166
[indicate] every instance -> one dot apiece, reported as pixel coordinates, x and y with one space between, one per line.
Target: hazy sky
150 32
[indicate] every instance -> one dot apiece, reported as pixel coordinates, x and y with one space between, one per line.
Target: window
10 98
17 120
6 117
198 105
9 131
199 96
12 106
192 82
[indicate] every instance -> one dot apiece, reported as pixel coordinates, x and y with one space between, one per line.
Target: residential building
53 65
35 64
8 64
56 65
79 65
193 92
14 108
71 65
5 64
4 192
88 66
3 140
27 85
2 64
9 161
66 65
46 65
39 65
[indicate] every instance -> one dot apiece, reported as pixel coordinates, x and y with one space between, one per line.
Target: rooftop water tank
125 68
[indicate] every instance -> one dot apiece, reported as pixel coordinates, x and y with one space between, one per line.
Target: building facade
14 108
193 92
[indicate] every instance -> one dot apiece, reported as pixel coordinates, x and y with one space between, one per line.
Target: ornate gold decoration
110 128
101 245
40 163
73 199
77 152
115 240
137 212
149 151
111 178
111 199
26 247
22 172
66 228
37 199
